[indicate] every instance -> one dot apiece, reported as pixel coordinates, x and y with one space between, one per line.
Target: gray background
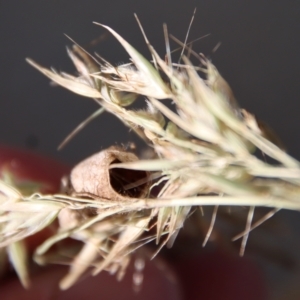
258 57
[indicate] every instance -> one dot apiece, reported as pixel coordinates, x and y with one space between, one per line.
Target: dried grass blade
62 235
162 219
18 256
78 128
150 165
257 223
143 65
70 84
247 200
203 134
177 219
247 230
127 237
9 193
211 225
219 108
80 263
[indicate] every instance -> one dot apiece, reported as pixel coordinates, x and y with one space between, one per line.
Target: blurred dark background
259 57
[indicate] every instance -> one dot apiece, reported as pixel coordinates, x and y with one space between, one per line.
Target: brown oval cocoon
94 177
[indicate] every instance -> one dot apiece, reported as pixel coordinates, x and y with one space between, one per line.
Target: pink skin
206 275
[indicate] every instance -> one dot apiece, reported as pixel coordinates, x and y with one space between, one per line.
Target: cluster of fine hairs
204 154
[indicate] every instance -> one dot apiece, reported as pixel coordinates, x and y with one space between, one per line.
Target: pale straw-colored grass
205 154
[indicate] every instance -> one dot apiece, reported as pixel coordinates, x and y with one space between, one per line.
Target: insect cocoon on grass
93 177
